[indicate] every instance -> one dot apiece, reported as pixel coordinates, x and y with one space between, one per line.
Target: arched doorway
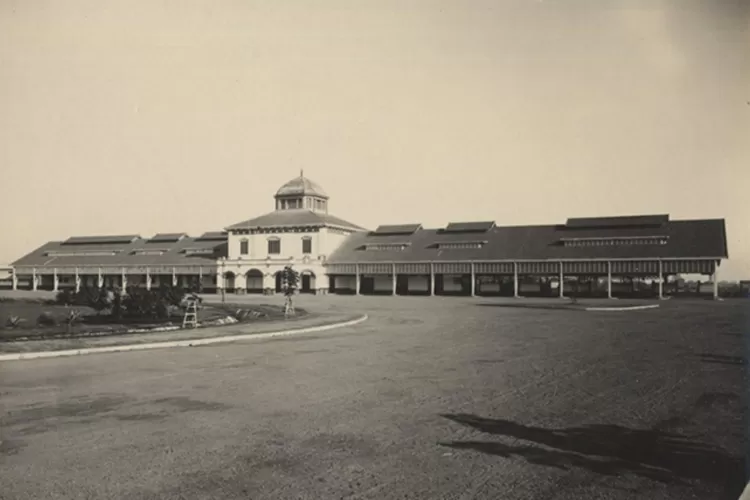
229 280
254 281
307 282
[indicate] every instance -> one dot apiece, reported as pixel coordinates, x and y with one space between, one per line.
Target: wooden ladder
191 314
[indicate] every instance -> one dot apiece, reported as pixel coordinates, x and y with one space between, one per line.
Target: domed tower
302 194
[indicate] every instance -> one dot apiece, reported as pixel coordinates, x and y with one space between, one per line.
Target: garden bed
92 324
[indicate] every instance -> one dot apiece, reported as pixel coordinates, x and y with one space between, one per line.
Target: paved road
450 398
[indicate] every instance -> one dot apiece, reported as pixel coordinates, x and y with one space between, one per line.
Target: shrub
65 298
162 311
97 299
46 319
172 295
139 303
117 308
14 321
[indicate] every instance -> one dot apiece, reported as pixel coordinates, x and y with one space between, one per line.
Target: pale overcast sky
144 116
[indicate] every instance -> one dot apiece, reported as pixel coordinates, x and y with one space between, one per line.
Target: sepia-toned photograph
374 249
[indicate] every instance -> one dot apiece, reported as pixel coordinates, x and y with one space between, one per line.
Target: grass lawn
96 325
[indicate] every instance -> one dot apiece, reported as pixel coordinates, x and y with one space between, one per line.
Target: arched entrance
254 281
229 280
307 282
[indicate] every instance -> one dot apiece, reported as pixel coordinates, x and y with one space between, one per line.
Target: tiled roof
686 239
295 217
213 235
57 254
302 186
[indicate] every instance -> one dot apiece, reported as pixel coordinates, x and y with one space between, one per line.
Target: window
622 240
387 246
306 245
456 245
243 247
274 246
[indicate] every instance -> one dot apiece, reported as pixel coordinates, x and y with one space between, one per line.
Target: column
78 281
99 279
33 280
14 277
220 280
609 279
393 275
473 280
174 277
148 279
356 279
515 279
661 281
432 279
200 279
562 282
716 281
55 280
124 280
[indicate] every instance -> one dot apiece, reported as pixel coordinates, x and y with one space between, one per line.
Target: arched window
274 246
306 245
244 246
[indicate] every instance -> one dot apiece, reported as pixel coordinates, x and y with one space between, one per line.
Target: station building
586 256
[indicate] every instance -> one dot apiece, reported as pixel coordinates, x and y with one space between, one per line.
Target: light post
223 273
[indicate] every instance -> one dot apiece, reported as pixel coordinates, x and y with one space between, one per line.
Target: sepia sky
144 116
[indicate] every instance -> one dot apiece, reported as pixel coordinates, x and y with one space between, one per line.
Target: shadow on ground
722 359
563 306
610 450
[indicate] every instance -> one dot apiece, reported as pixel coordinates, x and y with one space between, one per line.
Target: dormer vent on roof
101 240
625 221
400 229
468 227
167 237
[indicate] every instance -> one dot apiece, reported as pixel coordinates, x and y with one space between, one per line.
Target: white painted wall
330 241
324 242
291 245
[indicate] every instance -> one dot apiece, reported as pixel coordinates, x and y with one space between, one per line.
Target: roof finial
301 173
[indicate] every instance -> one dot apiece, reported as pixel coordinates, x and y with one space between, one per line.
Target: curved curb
627 308
178 343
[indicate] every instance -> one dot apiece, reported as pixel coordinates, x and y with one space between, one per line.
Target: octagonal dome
301 186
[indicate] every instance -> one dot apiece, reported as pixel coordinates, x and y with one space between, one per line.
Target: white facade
260 248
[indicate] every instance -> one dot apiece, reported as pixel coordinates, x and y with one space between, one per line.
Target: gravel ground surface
431 398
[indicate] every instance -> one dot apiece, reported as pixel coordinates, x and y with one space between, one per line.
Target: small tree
97 299
289 284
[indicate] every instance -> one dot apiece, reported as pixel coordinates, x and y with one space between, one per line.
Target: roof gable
293 218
